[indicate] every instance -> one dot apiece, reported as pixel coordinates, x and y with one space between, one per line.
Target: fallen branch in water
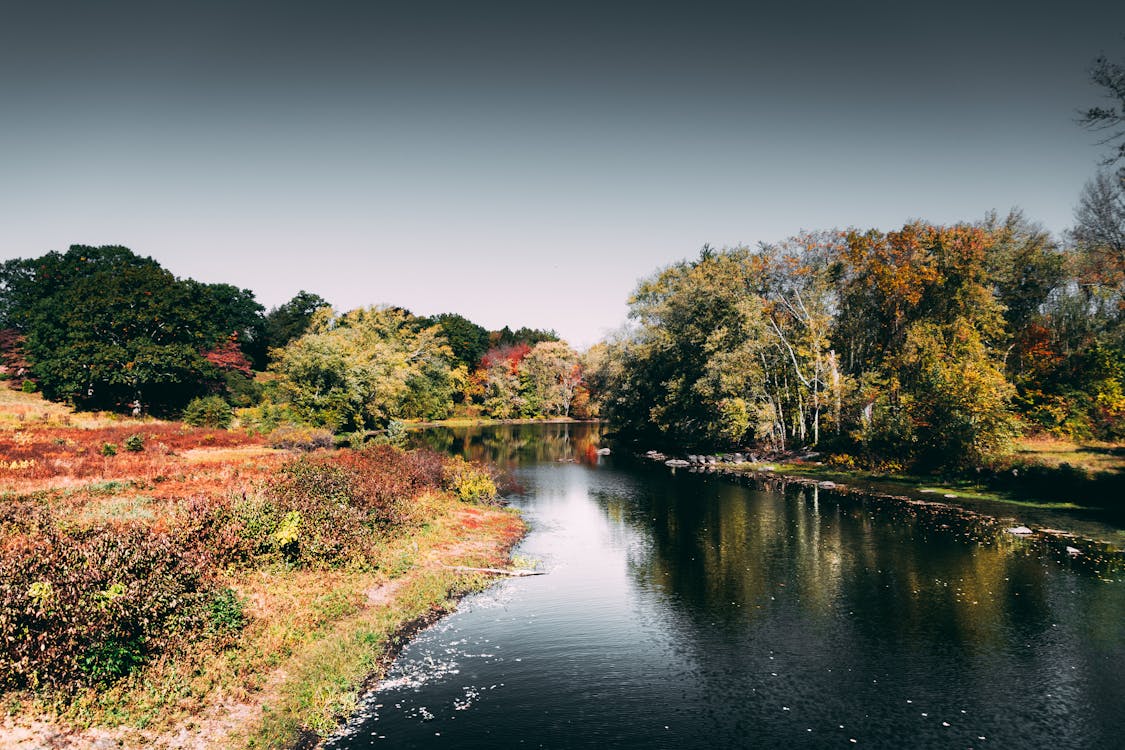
514 572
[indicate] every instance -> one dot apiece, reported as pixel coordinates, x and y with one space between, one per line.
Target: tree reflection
508 445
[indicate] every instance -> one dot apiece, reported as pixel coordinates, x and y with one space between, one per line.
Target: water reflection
871 619
509 445
685 611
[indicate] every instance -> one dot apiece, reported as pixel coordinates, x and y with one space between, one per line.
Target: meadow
171 586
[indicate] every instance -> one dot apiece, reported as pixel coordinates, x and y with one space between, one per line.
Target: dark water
683 611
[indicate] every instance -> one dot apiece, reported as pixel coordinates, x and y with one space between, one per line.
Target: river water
687 611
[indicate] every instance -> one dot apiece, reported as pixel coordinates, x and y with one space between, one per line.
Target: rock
738 458
676 462
1073 551
1020 531
826 485
604 451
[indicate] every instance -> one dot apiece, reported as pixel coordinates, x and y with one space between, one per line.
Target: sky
526 163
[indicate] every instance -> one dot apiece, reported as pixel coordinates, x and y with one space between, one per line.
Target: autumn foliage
925 347
111 559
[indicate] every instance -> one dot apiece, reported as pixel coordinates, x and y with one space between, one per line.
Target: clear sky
525 163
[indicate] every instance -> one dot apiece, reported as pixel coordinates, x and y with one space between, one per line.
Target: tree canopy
889 344
107 328
360 369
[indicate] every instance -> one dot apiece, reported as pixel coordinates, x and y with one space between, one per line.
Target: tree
1099 234
1109 119
290 320
550 375
954 396
891 340
1024 265
466 339
107 328
122 335
530 336
361 369
235 312
498 377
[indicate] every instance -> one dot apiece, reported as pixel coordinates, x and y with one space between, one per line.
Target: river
687 611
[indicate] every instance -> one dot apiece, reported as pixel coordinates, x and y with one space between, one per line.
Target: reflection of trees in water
859 604
512 444
435 440
724 553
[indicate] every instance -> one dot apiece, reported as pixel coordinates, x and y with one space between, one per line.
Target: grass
311 636
896 483
1092 457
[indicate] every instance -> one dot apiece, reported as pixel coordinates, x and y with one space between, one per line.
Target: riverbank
1067 529
272 621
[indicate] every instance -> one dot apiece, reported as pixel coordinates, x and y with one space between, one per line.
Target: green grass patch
326 674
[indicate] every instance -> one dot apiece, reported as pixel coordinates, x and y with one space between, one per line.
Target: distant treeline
104 328
926 347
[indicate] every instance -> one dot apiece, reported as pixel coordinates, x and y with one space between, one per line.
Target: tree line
105 328
926 346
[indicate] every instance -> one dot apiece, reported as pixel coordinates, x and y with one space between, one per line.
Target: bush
134 443
29 386
469 482
108 449
301 438
396 432
89 607
208 411
331 510
226 615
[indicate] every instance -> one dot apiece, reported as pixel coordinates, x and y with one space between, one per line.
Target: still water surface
685 611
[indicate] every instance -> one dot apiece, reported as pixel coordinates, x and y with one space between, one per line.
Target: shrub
333 510
134 443
29 386
208 411
396 432
301 438
108 449
226 615
841 461
469 482
88 607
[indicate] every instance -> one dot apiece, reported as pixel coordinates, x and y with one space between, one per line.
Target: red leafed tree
228 357
513 354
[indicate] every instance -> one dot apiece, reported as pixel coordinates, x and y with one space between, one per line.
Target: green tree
506 337
107 328
235 312
363 368
467 340
290 320
549 375
954 396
